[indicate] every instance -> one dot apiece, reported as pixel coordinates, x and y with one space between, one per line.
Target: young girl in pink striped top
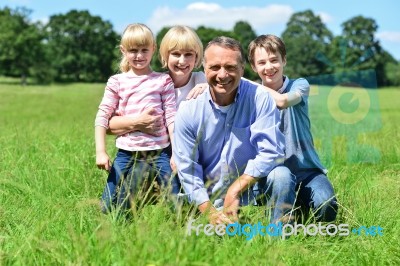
130 93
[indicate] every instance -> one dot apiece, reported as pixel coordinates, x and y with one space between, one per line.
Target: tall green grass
50 190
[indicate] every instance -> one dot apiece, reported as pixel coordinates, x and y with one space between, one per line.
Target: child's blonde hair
135 35
181 38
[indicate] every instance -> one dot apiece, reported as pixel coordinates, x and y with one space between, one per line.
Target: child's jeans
129 171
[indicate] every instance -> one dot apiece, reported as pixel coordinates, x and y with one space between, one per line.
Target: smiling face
137 47
223 69
139 58
181 50
180 66
269 67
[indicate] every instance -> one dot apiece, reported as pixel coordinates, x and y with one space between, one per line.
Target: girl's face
180 66
139 58
269 67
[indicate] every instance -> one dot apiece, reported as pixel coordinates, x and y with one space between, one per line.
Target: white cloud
203 6
389 36
43 20
325 17
213 15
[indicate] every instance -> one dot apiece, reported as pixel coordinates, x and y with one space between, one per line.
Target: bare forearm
100 139
280 99
120 125
240 185
171 132
149 122
102 158
231 202
284 100
206 207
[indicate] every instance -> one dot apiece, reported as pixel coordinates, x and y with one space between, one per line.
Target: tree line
80 47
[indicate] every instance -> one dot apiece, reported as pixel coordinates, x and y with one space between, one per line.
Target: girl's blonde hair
135 35
181 38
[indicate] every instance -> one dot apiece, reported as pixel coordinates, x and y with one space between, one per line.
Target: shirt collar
210 100
284 85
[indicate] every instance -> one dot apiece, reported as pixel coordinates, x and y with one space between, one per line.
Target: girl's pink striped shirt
129 95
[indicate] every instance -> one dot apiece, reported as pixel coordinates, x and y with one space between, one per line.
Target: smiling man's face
223 69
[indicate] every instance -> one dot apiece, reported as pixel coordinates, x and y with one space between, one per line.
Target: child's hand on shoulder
196 91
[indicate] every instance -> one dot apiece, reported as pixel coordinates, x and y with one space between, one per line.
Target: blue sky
263 15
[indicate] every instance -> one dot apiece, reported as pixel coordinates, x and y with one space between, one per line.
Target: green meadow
50 189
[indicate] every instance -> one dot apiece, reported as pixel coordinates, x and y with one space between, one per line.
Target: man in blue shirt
227 145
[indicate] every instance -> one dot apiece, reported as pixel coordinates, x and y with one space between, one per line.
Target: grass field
50 187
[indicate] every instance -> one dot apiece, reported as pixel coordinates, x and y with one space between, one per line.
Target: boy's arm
284 100
102 158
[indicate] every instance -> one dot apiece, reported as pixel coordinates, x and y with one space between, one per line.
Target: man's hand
219 217
231 202
214 216
231 205
103 161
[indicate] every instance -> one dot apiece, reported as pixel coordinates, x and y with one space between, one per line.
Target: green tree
156 62
392 73
357 49
22 52
82 46
361 44
207 34
242 32
245 34
306 37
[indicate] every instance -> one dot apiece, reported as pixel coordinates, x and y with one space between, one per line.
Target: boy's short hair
270 43
181 38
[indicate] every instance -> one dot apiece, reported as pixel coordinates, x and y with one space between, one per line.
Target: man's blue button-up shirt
215 145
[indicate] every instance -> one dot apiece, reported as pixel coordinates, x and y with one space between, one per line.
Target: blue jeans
277 191
316 193
127 175
175 182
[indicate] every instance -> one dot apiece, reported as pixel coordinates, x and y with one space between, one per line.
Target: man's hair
229 43
270 43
